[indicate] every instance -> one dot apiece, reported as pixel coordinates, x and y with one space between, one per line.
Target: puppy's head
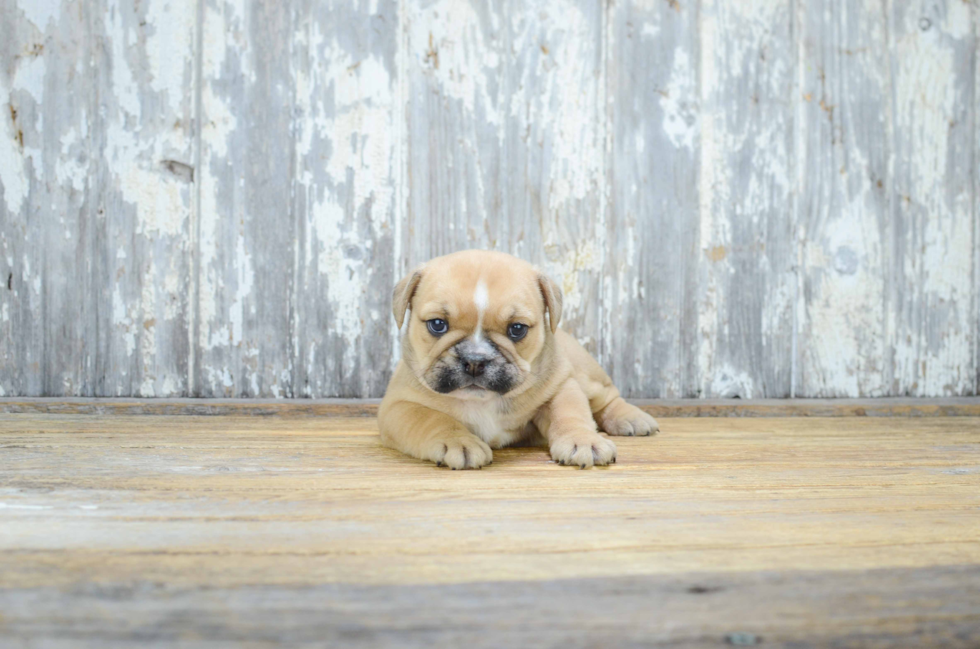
479 322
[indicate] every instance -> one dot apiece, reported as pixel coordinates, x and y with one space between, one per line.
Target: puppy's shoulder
402 387
569 348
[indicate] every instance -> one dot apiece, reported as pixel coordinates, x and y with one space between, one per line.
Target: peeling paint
40 12
744 200
680 117
729 383
452 43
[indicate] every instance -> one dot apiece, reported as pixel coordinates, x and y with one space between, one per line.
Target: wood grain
844 338
748 251
247 239
146 195
298 196
49 266
212 198
650 293
933 53
186 530
660 408
98 105
505 140
880 608
344 124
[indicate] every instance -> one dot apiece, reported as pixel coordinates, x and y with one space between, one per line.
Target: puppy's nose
475 368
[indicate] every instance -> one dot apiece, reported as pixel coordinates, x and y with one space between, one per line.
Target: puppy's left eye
517 331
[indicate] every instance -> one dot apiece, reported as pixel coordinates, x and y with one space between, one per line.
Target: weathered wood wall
753 199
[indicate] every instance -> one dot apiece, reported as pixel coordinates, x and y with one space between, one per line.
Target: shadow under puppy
484 367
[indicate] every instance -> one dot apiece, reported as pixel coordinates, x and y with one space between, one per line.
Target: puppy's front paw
462 451
583 449
621 418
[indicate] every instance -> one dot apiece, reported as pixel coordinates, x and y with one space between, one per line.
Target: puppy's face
477 324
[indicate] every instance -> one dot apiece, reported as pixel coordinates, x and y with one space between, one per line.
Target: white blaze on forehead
480 297
481 300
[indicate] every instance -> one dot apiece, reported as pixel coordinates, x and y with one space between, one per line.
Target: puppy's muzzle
473 364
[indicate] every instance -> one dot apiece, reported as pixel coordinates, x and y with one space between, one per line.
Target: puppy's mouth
474 390
460 375
452 383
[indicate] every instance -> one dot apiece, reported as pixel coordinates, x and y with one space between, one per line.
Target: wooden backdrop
757 198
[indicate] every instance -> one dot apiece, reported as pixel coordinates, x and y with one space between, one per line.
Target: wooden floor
254 531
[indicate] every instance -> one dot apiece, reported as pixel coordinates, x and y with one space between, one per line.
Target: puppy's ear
401 297
552 299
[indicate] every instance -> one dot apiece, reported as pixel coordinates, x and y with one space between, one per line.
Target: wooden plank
144 194
844 204
880 407
178 529
196 407
98 108
247 233
290 500
50 229
298 199
347 107
505 140
748 251
536 128
650 299
885 608
933 53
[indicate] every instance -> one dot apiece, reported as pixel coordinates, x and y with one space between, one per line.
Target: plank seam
975 194
402 186
194 324
888 238
295 365
666 408
689 360
798 165
606 129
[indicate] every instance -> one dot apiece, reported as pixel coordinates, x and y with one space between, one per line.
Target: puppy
484 365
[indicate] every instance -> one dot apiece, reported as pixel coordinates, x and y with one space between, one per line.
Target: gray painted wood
214 197
933 56
748 252
651 282
344 195
247 234
97 135
889 200
975 201
297 185
48 229
143 63
505 140
845 185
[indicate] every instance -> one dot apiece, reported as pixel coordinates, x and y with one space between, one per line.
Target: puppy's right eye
437 327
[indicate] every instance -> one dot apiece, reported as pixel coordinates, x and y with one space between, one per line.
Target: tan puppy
482 367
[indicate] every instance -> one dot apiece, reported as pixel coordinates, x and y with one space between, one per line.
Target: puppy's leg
621 418
566 422
431 435
611 412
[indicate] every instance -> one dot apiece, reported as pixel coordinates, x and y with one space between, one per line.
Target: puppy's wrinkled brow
435 310
518 312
